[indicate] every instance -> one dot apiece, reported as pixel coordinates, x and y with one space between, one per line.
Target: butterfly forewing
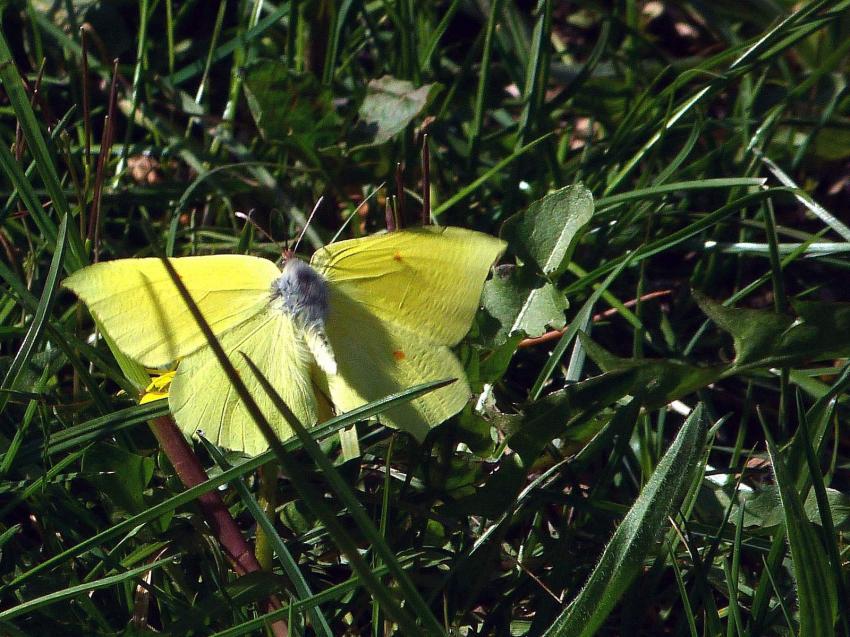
138 304
427 280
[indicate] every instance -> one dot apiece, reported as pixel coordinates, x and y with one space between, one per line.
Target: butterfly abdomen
302 293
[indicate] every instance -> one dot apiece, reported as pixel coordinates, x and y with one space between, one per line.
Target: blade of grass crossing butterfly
214 407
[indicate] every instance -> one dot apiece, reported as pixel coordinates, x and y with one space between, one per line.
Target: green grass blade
37 146
45 305
578 323
663 189
635 538
475 185
815 587
827 522
73 591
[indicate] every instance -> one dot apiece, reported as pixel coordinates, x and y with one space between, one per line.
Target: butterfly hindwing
202 397
138 304
376 359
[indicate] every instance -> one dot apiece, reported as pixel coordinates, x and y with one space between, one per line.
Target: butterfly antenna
249 219
307 225
356 210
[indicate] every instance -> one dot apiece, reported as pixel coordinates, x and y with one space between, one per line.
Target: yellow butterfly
367 317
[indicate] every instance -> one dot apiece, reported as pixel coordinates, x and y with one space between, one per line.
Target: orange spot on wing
399 355
397 256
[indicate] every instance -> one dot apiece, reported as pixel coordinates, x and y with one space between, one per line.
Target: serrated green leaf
543 234
763 338
516 300
659 380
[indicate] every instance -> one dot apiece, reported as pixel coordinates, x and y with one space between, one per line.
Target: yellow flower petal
158 388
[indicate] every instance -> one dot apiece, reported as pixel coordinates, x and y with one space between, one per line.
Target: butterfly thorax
302 293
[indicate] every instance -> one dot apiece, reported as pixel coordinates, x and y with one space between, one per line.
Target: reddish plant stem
426 182
84 42
556 334
102 160
191 474
399 193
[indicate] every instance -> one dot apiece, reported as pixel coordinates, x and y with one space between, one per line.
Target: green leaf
763 508
660 380
290 107
389 106
562 414
518 301
634 539
121 475
815 585
543 234
492 367
763 338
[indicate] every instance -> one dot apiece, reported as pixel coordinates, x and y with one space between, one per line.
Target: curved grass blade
41 154
39 319
663 189
91 431
73 591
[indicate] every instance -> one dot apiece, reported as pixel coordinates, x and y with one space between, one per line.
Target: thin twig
556 334
103 158
426 182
